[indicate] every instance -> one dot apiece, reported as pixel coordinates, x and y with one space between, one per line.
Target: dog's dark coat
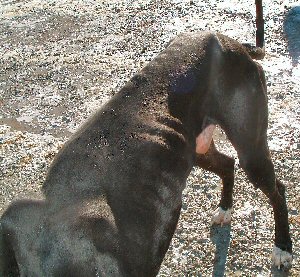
113 193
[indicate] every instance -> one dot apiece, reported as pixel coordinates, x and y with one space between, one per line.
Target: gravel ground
61 60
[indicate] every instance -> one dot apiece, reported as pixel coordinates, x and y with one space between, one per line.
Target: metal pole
260 40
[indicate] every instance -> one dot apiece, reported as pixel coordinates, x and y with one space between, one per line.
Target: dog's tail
258 52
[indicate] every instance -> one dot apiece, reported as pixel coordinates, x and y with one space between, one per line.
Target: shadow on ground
220 237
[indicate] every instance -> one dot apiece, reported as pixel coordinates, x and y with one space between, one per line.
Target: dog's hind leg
223 166
252 148
250 141
243 114
260 171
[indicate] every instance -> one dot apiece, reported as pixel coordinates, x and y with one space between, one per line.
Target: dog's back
150 114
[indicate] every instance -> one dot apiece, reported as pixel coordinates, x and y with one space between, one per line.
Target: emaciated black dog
113 193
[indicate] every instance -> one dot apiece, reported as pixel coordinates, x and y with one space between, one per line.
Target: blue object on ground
291 28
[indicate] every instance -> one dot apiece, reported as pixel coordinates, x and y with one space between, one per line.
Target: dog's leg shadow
220 237
275 272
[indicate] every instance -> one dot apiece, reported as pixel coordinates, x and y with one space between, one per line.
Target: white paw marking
281 258
221 216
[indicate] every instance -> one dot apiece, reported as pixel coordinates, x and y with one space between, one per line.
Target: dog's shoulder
20 209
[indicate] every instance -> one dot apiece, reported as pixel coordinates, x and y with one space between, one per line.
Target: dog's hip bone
221 216
204 139
281 258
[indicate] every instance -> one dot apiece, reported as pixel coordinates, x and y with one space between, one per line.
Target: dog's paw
221 216
282 259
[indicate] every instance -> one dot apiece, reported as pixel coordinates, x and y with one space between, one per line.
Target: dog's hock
204 139
221 216
281 258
